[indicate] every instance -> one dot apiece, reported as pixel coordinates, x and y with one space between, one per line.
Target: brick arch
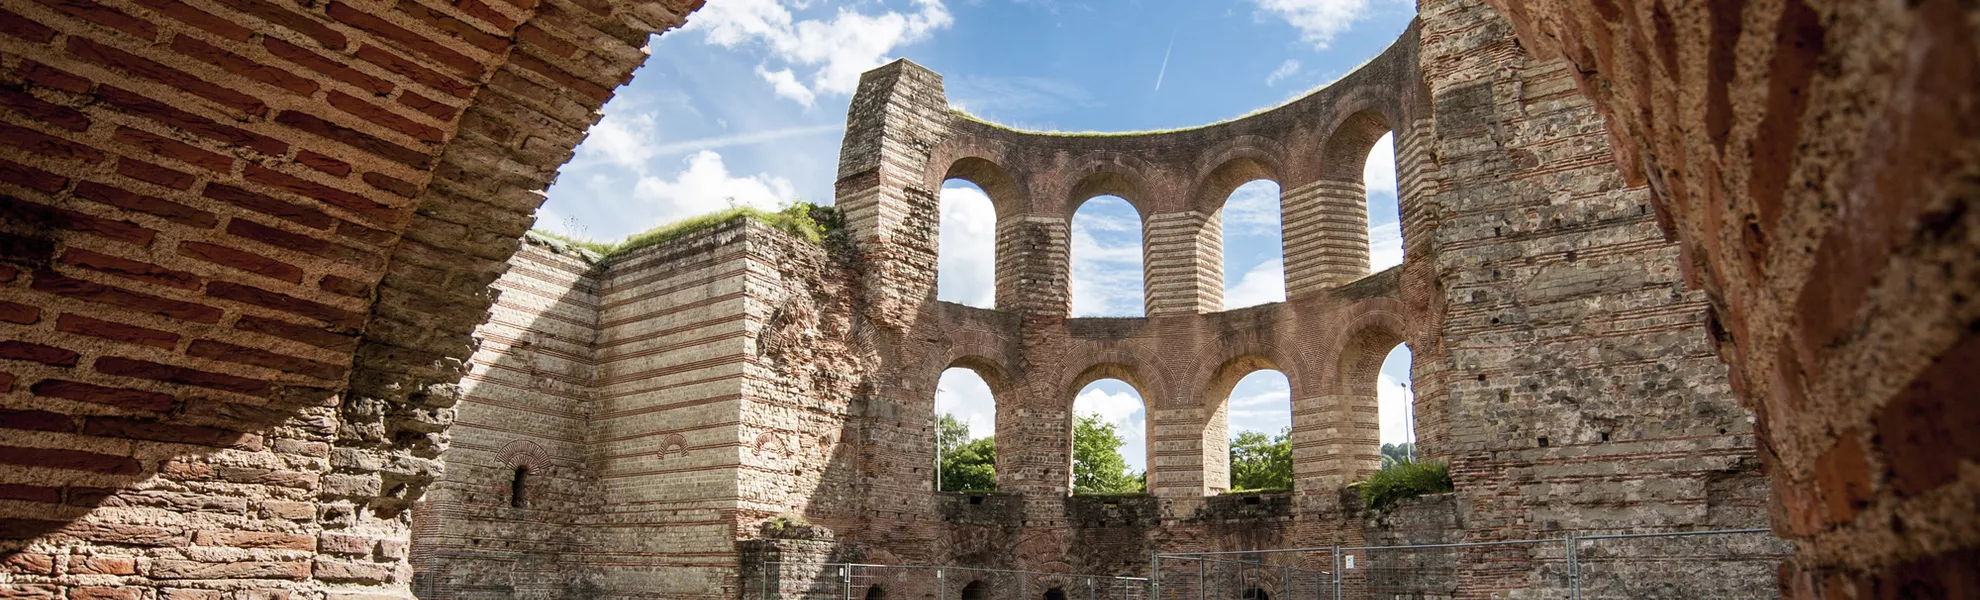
1356 354
986 170
1345 147
1130 362
523 454
1122 176
1230 164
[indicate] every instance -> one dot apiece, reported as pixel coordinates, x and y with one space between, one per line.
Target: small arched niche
1109 439
966 427
1106 259
975 590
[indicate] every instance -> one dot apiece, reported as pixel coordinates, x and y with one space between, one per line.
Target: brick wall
246 245
1816 161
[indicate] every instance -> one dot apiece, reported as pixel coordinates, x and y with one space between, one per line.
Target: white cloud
620 139
1252 210
1106 271
1124 410
706 185
835 51
960 392
1263 284
1379 173
1385 247
1393 401
786 84
1261 402
1286 69
1318 21
967 258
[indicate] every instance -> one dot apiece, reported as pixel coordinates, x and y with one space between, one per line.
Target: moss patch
807 221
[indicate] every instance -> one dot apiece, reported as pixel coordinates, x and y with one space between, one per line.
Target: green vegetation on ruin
804 220
1405 479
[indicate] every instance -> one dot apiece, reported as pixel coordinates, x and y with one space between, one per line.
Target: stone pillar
1033 265
1184 257
895 117
1326 234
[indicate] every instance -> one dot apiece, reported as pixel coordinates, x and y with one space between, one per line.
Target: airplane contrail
742 139
1165 62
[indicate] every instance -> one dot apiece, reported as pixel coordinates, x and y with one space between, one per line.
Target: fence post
846 575
1574 568
1154 575
763 589
1201 583
1337 572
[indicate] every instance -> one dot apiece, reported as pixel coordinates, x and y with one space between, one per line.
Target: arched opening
518 488
1378 178
1106 259
1055 594
976 590
875 592
1256 594
965 430
1109 439
966 249
1396 402
1253 246
1258 421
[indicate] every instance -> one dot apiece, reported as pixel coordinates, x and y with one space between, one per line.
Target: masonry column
1184 254
1326 234
895 117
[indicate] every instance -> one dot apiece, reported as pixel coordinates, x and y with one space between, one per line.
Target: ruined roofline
604 252
1292 101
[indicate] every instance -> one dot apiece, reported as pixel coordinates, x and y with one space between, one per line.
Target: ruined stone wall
246 244
1817 161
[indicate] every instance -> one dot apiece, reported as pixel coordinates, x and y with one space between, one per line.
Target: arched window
1254 250
966 256
1385 247
1109 439
1256 594
1106 259
976 590
1055 594
518 488
1258 417
875 593
1396 402
965 432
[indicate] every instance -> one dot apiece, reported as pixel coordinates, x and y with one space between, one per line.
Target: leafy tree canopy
1393 454
1098 467
968 465
1261 462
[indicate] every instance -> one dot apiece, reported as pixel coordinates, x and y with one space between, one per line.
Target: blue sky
746 105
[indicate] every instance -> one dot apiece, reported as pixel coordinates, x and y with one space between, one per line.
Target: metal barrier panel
1261 576
851 581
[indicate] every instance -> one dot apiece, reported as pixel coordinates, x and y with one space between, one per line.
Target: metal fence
1734 564
854 581
1676 565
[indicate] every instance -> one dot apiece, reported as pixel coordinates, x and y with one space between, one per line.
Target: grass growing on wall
805 220
1405 479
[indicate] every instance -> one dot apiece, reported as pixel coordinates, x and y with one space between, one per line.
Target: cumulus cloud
1261 402
1124 410
1318 21
833 51
1379 173
1393 399
620 139
1263 284
960 392
1286 69
705 185
1252 210
967 257
1106 272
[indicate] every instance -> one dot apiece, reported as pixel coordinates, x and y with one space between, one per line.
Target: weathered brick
291 20
113 365
312 124
278 238
223 351
151 173
238 65
118 59
383 117
120 198
130 269
255 539
110 330
341 286
25 104
26 591
31 493
385 59
314 336
245 261
47 355
141 429
30 562
25 28
328 569
75 460
41 144
36 420
186 13
247 569
102 565
368 235
41 216
364 207
174 149
190 594
14 312
96 394
51 77
361 19
106 593
268 205
323 163
340 543
334 68
104 15
428 106
31 177
62 285
133 103
259 297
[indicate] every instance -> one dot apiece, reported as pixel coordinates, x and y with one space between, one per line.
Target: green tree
968 465
1261 462
1394 454
1097 464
